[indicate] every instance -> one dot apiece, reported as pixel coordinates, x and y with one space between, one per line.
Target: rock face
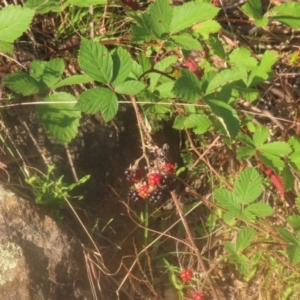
38 259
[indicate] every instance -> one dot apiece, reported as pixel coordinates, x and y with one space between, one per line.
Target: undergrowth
229 211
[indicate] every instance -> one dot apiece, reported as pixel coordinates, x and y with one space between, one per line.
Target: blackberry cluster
154 186
158 196
134 195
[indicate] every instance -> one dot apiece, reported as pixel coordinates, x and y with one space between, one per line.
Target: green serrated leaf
243 264
287 13
179 123
232 214
162 65
272 161
43 7
227 116
244 238
75 79
14 20
217 46
298 202
23 83
242 55
49 72
122 65
158 18
260 210
224 77
199 122
99 99
60 120
130 87
188 87
288 236
248 186
140 34
95 61
229 247
86 3
253 8
288 178
293 253
186 42
264 70
190 13
275 148
294 221
165 90
247 216
6 47
206 28
245 152
145 62
227 199
260 136
246 139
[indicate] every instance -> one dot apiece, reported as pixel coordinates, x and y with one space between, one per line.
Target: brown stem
195 248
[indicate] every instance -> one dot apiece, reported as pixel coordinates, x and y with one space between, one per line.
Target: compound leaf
95 61
248 186
60 120
14 20
99 99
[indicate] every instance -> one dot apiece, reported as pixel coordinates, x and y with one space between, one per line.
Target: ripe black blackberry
167 182
158 196
134 195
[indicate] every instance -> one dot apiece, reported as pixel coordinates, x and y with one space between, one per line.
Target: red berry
186 275
198 296
168 168
143 191
154 179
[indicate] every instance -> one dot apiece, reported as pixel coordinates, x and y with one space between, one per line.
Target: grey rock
38 258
